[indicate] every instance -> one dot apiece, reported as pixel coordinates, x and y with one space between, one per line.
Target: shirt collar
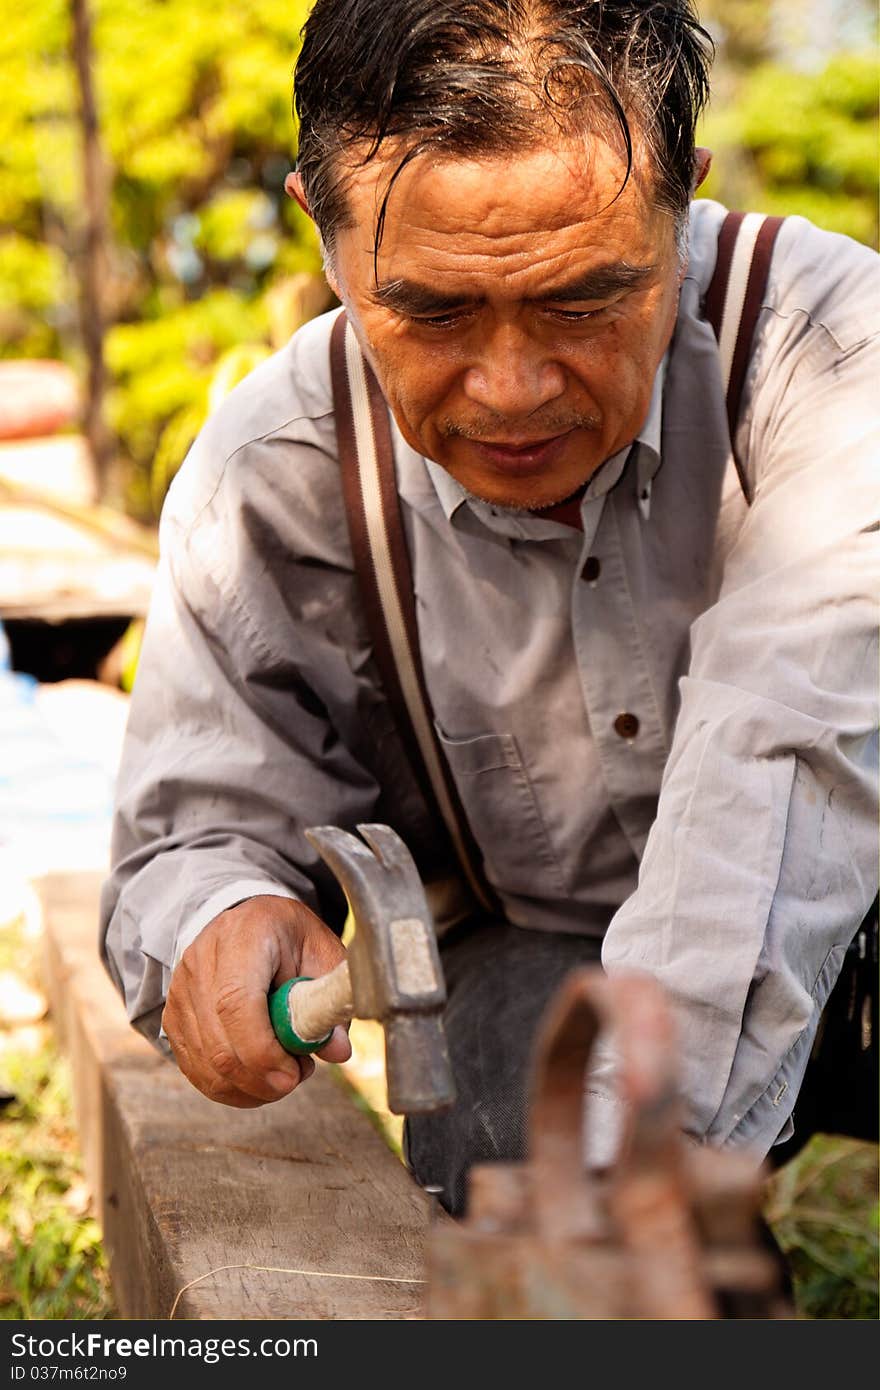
452 495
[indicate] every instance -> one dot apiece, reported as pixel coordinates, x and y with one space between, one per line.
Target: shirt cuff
603 1128
230 895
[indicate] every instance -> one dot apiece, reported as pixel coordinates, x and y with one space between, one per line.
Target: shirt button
591 570
626 725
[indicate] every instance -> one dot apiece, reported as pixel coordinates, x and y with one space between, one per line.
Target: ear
702 165
293 187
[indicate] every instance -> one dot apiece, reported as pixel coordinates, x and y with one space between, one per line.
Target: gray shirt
722 838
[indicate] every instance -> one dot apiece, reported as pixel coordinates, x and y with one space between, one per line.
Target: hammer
391 973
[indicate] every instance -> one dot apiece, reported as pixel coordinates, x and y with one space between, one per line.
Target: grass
823 1210
52 1264
822 1206
51 1260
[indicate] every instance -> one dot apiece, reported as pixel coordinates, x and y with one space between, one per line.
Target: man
656 701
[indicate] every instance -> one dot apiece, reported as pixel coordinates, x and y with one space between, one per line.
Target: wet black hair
472 77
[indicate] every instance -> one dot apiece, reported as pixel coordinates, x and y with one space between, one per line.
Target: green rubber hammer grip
279 1013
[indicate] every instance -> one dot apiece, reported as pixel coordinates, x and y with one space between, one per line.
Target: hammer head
393 961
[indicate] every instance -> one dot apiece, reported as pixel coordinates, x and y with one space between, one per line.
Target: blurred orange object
36 398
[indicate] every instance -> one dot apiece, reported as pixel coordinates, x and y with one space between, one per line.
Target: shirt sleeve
762 861
232 748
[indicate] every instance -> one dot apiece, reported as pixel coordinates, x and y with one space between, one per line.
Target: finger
338 1049
212 1016
242 1047
305 1068
229 1083
209 1084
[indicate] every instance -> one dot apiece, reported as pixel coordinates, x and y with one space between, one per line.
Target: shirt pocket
503 813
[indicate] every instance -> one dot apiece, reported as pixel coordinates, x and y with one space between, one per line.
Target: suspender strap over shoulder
733 303
384 575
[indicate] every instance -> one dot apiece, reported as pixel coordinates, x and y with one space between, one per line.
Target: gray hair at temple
488 77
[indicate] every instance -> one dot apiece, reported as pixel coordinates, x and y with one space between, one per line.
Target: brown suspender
381 559
384 575
733 303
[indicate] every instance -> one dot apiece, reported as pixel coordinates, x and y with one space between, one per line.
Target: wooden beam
186 1188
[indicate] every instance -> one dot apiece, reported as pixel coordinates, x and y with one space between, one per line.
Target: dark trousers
499 980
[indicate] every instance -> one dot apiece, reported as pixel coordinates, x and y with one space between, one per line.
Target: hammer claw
387 846
333 843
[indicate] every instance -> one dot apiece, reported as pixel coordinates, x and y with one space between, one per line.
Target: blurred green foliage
793 120
197 131
806 144
195 108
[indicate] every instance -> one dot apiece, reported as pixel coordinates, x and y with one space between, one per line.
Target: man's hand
216 1016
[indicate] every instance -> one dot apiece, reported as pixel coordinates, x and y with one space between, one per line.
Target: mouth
520 457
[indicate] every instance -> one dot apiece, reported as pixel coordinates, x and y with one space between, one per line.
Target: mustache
485 427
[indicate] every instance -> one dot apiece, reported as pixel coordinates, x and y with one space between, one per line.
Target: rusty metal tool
391 973
670 1231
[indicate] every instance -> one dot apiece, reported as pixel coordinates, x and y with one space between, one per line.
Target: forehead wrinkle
534 268
590 163
422 254
414 242
414 237
482 219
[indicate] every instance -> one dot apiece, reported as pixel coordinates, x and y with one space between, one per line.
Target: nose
513 376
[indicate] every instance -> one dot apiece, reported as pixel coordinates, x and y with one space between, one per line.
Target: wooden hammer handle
317 1005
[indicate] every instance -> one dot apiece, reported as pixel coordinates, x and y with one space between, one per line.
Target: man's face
519 313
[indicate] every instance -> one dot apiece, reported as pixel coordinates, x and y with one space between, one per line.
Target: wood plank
184 1186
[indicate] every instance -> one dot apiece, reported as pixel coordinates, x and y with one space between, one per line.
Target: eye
577 315
447 320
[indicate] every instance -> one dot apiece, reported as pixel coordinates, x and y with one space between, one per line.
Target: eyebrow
410 297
